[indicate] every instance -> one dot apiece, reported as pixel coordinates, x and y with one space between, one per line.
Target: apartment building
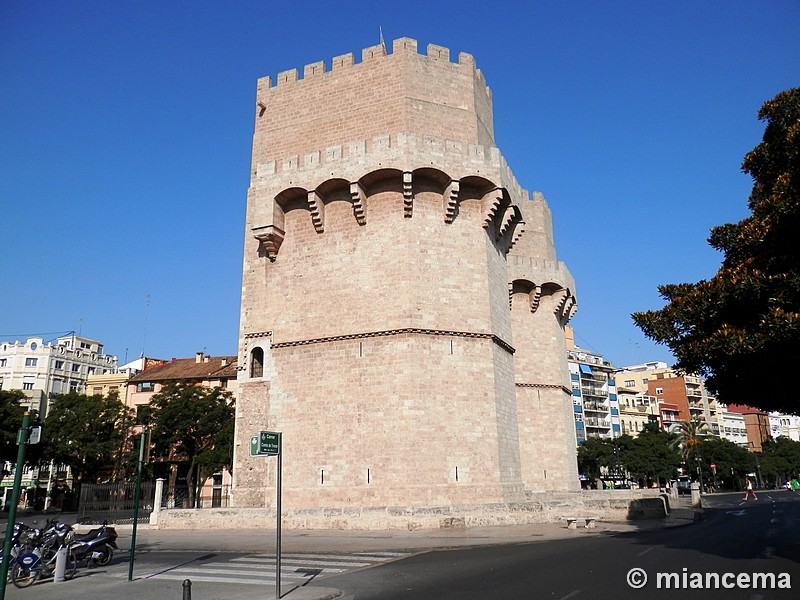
686 393
757 425
43 370
784 425
732 426
636 410
594 395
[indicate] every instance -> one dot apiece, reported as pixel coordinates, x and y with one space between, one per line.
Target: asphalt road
734 538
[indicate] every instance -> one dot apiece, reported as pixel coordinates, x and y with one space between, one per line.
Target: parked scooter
97 545
38 552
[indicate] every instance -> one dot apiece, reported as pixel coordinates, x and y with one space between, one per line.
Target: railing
595 406
592 422
217 496
593 391
113 502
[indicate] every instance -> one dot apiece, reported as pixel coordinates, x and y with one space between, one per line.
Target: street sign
266 443
35 435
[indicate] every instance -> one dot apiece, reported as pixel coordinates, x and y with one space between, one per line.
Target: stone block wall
385 250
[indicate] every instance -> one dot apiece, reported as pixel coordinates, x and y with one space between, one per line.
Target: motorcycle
38 551
19 529
97 545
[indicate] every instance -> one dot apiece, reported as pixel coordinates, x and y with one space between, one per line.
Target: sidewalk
99 584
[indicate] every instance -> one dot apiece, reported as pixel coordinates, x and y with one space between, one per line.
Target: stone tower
402 305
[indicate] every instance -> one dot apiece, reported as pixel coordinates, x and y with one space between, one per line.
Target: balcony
593 391
595 406
598 423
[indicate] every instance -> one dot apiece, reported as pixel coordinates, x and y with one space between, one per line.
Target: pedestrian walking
748 486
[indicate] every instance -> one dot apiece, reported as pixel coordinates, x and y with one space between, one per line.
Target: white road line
260 568
195 578
255 572
301 563
643 552
572 594
355 556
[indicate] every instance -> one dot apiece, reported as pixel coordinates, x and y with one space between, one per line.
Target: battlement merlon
400 46
398 91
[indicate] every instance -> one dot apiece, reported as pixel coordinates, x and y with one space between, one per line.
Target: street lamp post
699 461
23 439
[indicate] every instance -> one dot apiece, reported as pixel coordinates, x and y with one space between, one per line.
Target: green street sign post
268 443
23 439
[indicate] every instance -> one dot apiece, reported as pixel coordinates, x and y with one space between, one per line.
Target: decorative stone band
552 386
393 332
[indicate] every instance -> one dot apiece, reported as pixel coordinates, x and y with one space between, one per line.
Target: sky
126 131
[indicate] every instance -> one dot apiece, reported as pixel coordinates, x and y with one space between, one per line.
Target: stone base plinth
538 508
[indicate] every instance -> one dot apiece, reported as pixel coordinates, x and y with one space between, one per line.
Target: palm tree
690 435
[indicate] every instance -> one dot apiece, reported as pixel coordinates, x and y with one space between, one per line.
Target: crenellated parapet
501 218
464 172
405 151
403 47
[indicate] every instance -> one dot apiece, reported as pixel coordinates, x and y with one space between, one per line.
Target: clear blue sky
125 134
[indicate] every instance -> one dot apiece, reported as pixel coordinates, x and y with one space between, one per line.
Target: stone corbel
564 307
491 203
408 195
359 197
270 239
316 203
510 217
450 201
535 295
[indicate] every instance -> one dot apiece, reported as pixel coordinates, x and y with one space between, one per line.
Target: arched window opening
257 362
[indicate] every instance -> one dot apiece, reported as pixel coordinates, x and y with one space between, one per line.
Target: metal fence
217 496
113 502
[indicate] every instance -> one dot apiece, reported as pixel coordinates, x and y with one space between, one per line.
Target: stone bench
572 522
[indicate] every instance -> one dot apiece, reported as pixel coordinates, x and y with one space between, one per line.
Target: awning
585 369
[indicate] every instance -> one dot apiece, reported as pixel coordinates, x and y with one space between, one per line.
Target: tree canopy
736 327
86 432
10 421
192 424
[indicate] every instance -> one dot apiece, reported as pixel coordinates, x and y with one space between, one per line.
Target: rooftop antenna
146 313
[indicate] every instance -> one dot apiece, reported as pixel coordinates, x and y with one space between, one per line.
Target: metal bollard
187 589
61 565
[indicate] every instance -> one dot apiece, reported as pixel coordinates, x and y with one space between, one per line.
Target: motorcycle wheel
106 554
22 577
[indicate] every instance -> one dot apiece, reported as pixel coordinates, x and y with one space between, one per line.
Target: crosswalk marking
259 569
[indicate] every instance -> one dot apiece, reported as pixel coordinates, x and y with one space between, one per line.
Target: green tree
594 454
85 433
689 437
651 457
739 324
780 459
10 421
731 462
192 424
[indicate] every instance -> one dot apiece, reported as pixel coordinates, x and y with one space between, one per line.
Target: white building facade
43 370
784 425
